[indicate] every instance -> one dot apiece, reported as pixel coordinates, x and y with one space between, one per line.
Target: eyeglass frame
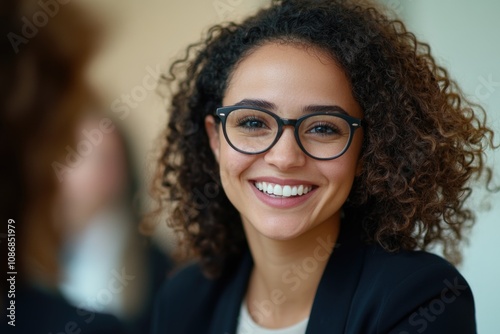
354 123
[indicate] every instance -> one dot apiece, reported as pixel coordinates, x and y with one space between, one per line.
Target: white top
93 259
246 325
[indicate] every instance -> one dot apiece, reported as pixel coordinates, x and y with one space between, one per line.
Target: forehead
291 76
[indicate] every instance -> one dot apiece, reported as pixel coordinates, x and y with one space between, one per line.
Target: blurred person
43 94
99 214
333 151
96 218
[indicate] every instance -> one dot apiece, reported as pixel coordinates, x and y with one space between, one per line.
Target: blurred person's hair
42 96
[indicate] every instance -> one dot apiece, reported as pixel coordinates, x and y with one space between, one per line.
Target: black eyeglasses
320 135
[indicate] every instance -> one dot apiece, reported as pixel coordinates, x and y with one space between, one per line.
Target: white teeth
283 191
287 191
300 190
278 190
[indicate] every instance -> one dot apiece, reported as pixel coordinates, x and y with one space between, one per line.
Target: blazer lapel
227 308
337 287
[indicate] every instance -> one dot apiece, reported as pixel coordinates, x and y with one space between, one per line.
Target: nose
286 153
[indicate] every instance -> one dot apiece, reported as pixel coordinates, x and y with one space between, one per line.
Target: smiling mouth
277 190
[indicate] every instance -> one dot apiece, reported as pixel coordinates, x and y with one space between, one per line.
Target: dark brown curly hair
423 144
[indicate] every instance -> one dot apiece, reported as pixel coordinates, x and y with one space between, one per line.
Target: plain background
463 35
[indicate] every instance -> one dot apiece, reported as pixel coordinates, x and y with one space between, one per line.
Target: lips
283 190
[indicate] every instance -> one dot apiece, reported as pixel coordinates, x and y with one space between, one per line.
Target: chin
279 228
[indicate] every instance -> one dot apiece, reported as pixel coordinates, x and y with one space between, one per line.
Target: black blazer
364 289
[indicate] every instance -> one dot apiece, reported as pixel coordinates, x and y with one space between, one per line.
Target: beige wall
149 34
144 34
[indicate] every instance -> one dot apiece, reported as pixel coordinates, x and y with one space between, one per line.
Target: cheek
340 172
345 168
233 164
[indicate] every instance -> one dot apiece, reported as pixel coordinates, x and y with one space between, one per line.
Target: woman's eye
251 123
323 129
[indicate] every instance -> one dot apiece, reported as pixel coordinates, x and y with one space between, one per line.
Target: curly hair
423 144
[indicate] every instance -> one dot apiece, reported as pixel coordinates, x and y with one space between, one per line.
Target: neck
286 273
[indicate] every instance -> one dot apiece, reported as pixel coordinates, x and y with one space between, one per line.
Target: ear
212 129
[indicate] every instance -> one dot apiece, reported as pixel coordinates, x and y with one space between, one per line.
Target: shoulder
183 278
189 302
180 282
416 290
397 266
185 284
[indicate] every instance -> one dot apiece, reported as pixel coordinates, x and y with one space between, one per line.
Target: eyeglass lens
322 136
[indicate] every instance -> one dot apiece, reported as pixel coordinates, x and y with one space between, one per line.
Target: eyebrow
257 103
305 110
323 108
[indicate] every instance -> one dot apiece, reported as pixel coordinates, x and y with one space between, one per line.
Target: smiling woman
343 152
